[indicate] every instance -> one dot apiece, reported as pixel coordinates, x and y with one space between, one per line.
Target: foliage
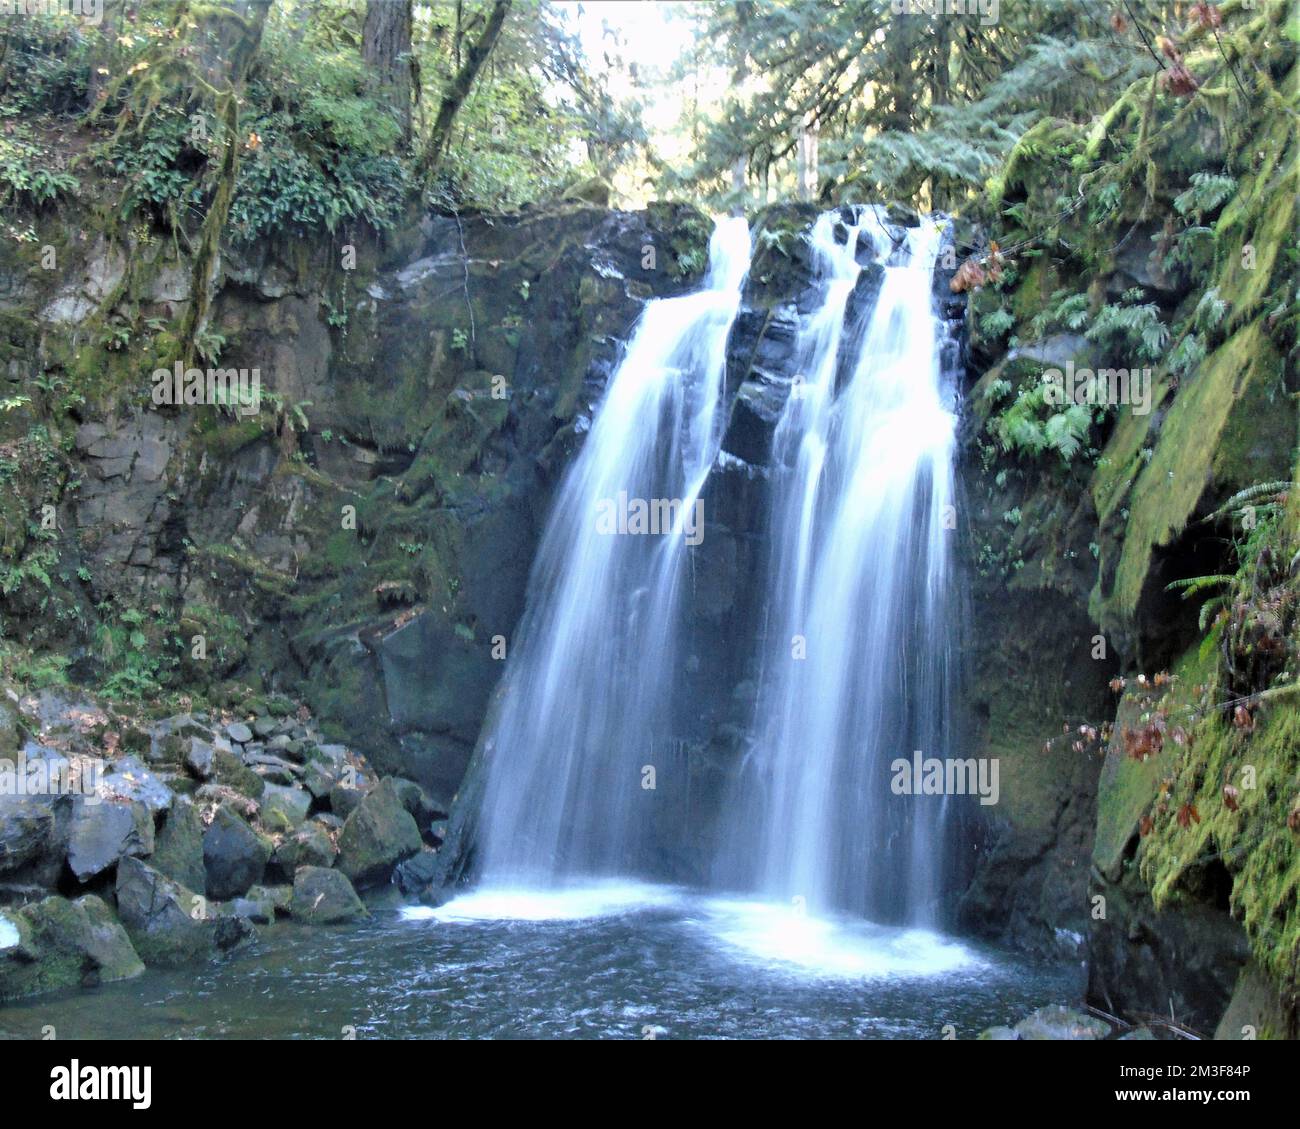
28 173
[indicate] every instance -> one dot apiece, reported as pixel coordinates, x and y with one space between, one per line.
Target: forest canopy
342 110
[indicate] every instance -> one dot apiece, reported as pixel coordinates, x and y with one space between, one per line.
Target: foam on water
569 903
778 934
773 934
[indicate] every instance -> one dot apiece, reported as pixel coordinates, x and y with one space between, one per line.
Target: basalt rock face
363 540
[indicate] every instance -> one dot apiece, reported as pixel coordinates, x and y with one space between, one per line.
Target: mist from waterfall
585 700
856 659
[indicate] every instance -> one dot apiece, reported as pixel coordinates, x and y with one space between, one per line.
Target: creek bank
193 830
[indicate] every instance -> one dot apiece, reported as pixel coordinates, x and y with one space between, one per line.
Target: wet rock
416 874
199 758
57 943
234 855
275 769
168 923
106 831
233 773
324 897
131 780
238 732
178 845
12 731
1258 1009
1059 1022
28 832
310 845
257 906
424 810
377 835
344 800
318 779
284 808
337 755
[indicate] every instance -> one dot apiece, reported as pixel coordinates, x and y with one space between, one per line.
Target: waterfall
585 695
855 665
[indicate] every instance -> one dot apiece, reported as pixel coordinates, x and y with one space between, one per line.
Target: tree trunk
242 46
386 49
459 89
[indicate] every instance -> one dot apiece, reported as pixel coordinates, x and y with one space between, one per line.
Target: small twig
1141 31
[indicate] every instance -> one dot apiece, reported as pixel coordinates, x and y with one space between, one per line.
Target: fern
1207 192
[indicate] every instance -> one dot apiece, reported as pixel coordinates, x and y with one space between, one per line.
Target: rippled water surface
610 961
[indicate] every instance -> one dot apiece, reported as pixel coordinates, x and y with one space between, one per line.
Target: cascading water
586 691
856 655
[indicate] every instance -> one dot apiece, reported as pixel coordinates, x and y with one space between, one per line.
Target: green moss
1254 842
1222 400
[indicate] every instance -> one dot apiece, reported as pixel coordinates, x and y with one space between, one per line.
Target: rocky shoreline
159 843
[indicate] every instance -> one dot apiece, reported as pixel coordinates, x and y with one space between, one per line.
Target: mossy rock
64 944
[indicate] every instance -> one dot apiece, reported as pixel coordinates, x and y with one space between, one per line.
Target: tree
386 48
459 88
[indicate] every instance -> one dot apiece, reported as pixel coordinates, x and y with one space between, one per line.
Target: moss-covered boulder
309 845
377 836
178 845
169 924
57 943
324 897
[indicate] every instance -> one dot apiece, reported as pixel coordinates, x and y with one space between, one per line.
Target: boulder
178 846
284 808
377 836
310 845
238 732
344 800
169 924
1059 1022
57 943
416 874
260 906
324 897
106 831
271 768
232 772
199 758
28 832
417 801
234 855
256 906
131 780
337 755
318 778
